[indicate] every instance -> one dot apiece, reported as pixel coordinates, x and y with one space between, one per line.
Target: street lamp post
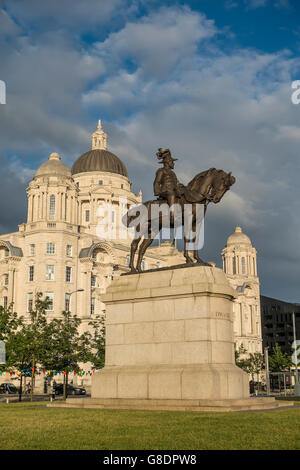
267 369
297 385
70 293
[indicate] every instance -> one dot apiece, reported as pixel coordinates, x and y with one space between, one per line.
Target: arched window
234 265
243 265
52 207
253 260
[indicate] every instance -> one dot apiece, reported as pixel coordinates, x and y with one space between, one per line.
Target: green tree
66 347
240 359
27 341
97 342
9 321
279 361
256 364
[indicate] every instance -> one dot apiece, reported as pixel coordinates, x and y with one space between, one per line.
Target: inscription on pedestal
223 315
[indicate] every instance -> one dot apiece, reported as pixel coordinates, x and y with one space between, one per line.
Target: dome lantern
99 138
99 158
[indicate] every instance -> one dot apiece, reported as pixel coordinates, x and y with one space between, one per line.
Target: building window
50 249
127 260
52 207
234 265
243 266
6 279
50 298
87 216
122 186
93 281
69 250
100 182
67 302
253 260
92 305
49 272
68 273
144 265
29 302
6 253
5 302
32 250
31 273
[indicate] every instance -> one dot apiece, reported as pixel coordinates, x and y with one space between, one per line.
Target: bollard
7 401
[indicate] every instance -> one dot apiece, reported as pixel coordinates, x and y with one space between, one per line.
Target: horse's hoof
133 271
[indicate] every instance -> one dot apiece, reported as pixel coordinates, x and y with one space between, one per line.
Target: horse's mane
196 181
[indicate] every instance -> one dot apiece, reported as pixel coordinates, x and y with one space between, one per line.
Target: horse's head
221 182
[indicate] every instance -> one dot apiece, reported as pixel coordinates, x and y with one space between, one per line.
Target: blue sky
210 79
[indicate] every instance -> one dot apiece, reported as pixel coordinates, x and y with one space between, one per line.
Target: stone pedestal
169 336
169 346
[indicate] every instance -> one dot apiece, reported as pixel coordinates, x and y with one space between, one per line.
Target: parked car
8 388
71 390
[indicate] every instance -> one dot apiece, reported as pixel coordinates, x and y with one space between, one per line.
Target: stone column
29 211
58 205
11 282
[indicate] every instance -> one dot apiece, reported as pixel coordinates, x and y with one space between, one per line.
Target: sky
209 79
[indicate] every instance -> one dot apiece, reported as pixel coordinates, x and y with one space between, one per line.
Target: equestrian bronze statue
208 186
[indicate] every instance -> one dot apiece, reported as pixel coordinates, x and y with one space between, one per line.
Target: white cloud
57 14
157 42
230 4
289 133
256 3
161 81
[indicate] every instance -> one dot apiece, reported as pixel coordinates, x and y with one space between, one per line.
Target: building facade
277 323
240 266
58 250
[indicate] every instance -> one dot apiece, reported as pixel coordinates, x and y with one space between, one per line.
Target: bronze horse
205 187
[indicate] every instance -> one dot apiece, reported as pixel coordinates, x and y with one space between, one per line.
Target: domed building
59 250
240 266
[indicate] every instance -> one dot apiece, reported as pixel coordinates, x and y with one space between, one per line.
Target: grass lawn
33 426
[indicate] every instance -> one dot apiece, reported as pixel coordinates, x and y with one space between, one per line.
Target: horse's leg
188 259
133 248
196 230
144 245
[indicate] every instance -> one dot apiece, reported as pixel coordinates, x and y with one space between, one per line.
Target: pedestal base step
248 404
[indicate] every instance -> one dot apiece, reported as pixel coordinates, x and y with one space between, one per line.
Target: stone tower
240 267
